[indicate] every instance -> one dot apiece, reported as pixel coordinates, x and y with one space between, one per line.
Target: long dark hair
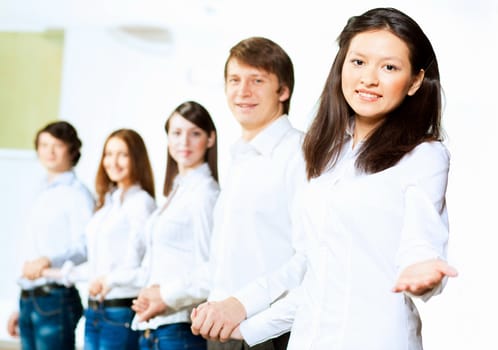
140 168
198 115
416 120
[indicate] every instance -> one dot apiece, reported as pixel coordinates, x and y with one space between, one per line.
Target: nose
51 149
369 76
184 139
245 88
115 159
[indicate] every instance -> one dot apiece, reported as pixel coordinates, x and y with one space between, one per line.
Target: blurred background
104 65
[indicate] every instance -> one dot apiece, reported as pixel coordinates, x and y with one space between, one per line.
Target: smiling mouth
369 96
246 105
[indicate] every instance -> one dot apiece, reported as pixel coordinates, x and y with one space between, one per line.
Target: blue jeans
109 329
174 336
48 322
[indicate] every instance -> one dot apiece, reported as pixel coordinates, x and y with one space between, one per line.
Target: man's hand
420 278
217 320
33 269
13 325
149 303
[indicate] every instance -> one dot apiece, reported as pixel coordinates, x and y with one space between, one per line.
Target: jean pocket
119 316
48 305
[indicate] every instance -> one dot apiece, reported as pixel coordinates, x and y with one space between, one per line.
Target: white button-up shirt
252 229
178 244
56 224
115 240
362 230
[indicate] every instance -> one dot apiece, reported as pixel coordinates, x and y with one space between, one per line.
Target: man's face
53 153
253 96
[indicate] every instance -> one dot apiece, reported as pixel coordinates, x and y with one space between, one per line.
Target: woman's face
117 162
187 143
377 75
53 153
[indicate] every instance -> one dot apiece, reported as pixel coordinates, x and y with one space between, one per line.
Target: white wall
110 82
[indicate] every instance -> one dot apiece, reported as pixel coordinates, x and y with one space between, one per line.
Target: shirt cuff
171 294
252 298
434 291
256 330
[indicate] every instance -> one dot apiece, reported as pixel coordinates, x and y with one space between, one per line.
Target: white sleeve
194 288
80 213
129 273
272 322
425 225
261 293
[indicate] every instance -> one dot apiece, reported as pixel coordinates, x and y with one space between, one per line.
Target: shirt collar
266 140
116 195
65 178
200 172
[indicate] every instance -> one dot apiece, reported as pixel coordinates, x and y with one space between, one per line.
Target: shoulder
207 185
80 192
428 162
139 198
203 193
294 136
428 154
290 146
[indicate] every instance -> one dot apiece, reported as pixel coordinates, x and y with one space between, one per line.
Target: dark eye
357 62
391 68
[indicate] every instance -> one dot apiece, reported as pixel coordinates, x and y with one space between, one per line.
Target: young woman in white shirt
115 240
374 212
179 232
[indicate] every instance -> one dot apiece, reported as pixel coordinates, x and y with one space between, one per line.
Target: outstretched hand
218 320
421 277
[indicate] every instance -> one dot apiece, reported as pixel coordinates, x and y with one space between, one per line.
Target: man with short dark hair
49 312
252 233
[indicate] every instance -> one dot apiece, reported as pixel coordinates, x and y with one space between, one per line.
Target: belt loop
147 333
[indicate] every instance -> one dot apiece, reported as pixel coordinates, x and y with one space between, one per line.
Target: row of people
322 238
126 243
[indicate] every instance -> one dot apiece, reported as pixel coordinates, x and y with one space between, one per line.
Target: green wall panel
30 80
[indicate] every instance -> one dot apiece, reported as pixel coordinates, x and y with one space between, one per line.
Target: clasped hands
33 269
149 303
212 320
218 320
